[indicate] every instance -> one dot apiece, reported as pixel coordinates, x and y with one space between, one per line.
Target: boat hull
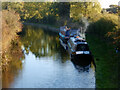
82 59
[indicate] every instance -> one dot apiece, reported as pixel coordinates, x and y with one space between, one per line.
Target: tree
84 9
113 6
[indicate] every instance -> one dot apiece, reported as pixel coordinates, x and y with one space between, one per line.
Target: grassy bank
10 27
106 61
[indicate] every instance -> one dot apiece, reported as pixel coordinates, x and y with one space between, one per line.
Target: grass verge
106 60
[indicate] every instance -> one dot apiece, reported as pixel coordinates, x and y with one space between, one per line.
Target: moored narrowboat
64 36
78 49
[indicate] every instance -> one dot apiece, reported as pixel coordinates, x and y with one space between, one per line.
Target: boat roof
78 40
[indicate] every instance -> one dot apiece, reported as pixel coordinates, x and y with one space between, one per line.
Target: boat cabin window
82 47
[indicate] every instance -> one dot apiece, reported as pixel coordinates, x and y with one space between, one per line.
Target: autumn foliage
10 26
106 27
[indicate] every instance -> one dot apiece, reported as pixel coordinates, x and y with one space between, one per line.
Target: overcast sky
106 3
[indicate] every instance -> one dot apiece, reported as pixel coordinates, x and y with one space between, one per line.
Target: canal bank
106 60
11 25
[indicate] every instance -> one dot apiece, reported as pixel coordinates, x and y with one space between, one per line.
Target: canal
45 64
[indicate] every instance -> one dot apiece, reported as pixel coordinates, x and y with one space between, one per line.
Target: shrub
10 26
105 24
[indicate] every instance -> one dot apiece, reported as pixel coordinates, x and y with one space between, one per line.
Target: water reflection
48 65
83 67
40 43
11 71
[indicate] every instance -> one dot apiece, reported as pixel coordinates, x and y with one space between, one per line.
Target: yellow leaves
47 13
57 15
37 11
111 17
51 9
24 17
72 6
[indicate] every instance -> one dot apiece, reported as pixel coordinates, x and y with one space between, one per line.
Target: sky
106 3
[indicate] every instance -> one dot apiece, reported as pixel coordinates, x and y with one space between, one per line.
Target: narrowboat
64 36
74 32
78 49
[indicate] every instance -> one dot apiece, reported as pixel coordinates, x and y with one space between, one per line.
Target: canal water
45 64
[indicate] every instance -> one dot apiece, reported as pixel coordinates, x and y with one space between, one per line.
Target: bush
105 24
10 27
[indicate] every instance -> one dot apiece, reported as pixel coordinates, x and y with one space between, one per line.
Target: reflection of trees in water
15 55
63 54
41 43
